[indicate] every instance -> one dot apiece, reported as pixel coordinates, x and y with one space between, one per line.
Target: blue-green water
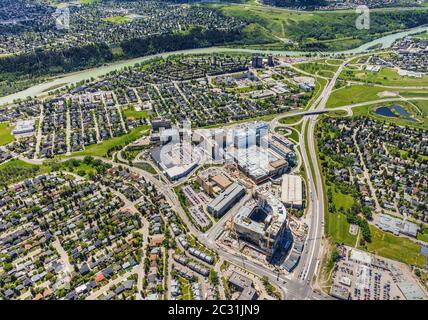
394 112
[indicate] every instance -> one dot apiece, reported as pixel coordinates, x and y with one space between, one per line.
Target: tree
213 277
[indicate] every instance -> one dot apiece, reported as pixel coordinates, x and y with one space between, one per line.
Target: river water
75 77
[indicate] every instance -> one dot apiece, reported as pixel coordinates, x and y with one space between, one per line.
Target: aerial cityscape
214 150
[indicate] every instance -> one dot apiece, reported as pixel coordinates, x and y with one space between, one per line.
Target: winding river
75 77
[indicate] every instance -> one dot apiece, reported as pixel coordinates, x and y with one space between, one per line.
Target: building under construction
262 223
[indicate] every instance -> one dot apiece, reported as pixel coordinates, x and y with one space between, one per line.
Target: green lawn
370 112
423 236
16 170
353 94
361 93
422 105
101 149
118 19
294 135
336 62
423 36
290 120
130 112
336 114
186 289
5 133
82 169
341 200
397 248
337 227
88 1
386 76
271 19
146 167
318 67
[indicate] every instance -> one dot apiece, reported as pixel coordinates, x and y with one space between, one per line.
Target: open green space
422 106
386 76
423 36
130 112
118 19
409 107
353 94
315 31
291 120
336 223
423 235
340 200
397 248
102 149
414 94
336 62
186 289
5 133
319 67
271 19
336 114
146 167
295 135
16 170
337 228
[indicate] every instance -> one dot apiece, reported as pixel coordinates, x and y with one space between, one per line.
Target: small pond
394 111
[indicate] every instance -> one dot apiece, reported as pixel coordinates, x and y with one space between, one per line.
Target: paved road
292 288
310 258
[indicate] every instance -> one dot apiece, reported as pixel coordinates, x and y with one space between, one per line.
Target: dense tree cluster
295 3
195 38
43 62
310 34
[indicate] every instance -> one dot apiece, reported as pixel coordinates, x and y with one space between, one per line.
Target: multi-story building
262 223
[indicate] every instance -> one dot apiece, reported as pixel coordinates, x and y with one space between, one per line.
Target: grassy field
101 149
422 106
341 200
186 289
337 228
336 114
146 167
82 169
397 248
353 94
423 236
290 120
310 31
16 170
5 133
130 112
423 36
118 19
271 19
370 111
361 93
294 135
319 67
88 1
386 76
